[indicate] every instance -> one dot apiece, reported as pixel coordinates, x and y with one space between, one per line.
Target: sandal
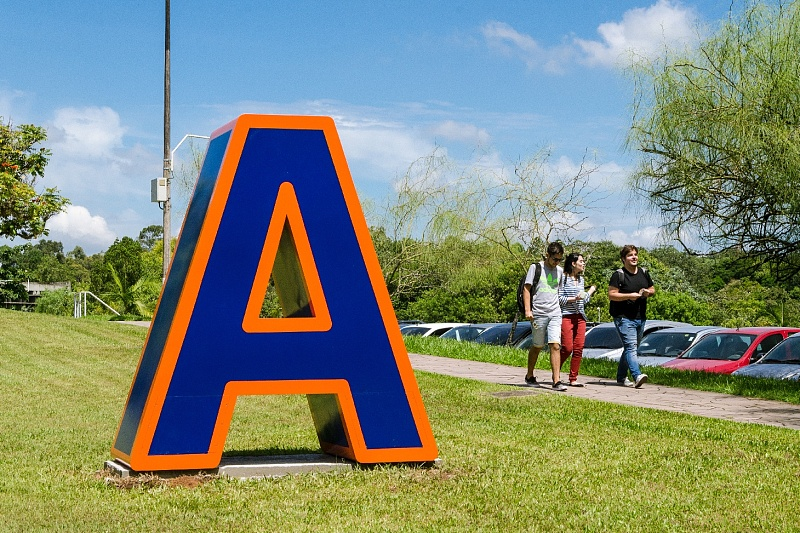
576 384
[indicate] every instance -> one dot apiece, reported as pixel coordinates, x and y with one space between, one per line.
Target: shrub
58 302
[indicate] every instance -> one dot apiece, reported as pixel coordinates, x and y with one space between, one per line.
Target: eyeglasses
556 259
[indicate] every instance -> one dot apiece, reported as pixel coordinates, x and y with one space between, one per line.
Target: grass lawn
527 462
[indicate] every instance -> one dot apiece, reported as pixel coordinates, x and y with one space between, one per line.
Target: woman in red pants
573 298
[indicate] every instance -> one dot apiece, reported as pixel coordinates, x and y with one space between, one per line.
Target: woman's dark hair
570 262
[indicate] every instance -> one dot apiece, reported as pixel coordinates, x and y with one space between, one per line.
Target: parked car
662 346
603 342
726 350
467 332
433 329
498 335
781 362
526 342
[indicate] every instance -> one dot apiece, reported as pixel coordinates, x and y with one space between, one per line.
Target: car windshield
787 352
665 344
602 337
720 346
499 334
413 330
463 333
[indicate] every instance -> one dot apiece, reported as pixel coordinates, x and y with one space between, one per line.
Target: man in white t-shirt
544 312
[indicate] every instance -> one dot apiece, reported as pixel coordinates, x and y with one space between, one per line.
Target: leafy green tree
124 256
679 306
718 130
12 288
46 262
150 236
24 211
441 211
741 303
478 293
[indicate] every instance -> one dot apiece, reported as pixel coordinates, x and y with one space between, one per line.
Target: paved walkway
708 404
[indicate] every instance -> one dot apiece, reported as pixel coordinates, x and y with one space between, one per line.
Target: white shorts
546 330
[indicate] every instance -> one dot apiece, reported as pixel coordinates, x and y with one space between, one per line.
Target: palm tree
138 298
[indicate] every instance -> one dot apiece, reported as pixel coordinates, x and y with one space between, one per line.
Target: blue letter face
274 199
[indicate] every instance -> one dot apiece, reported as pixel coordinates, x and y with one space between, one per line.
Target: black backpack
537 274
521 302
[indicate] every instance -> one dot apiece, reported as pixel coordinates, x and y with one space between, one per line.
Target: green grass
767 389
512 459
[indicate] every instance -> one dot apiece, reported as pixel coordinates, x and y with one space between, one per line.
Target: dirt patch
152 481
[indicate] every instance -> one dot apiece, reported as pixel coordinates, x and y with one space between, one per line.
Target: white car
432 329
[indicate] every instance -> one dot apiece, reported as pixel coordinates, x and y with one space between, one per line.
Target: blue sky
501 79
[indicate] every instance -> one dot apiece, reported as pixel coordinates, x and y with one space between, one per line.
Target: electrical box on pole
158 190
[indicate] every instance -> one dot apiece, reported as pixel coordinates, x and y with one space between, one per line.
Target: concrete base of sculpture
245 467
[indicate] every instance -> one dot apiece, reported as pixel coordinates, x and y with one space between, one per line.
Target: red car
727 350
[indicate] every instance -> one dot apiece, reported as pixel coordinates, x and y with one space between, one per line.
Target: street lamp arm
172 153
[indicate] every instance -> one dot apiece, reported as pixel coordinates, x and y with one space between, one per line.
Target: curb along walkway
700 403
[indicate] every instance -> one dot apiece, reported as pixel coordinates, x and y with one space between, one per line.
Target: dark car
467 332
781 362
498 335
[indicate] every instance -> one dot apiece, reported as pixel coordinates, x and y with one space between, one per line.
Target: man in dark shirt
628 291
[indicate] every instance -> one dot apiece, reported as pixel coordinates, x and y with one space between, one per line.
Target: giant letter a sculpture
274 199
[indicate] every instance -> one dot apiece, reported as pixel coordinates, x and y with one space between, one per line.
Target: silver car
664 345
603 342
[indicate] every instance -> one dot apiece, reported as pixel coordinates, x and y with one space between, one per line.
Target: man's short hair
555 248
628 248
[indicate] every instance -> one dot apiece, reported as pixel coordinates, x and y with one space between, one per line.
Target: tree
150 236
132 299
440 211
11 275
124 256
23 211
719 133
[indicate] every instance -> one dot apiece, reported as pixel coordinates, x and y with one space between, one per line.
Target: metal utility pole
167 155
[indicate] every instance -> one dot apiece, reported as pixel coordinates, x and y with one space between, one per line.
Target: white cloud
459 131
645 237
508 41
642 32
8 98
388 150
77 225
91 132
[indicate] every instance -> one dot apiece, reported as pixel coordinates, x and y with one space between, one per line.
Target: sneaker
626 383
575 384
531 381
641 380
560 387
